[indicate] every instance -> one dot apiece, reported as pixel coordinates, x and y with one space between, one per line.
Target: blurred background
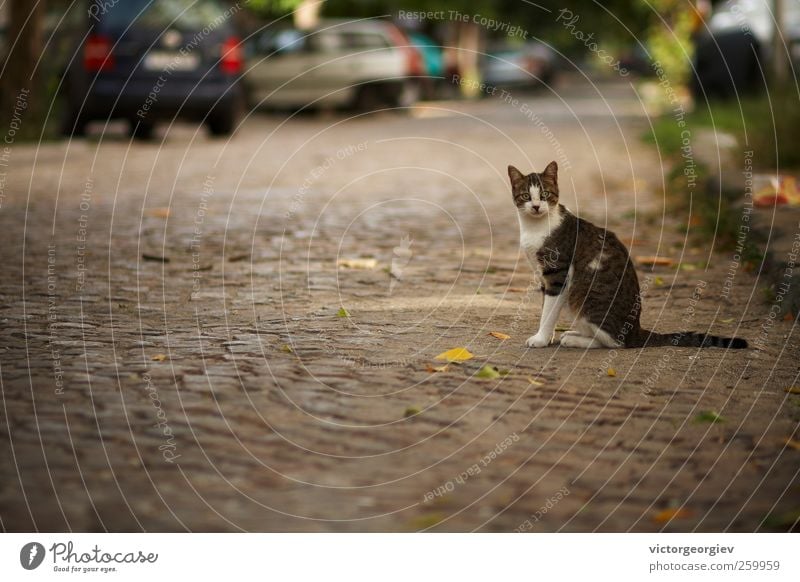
145 61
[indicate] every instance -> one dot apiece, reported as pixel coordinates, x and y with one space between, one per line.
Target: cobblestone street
234 335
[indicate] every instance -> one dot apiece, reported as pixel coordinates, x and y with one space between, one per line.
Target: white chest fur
533 231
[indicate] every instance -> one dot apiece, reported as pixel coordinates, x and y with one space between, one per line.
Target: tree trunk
780 62
21 95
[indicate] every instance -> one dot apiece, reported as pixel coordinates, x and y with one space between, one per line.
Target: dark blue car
151 60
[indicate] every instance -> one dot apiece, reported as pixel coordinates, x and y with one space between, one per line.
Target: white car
363 64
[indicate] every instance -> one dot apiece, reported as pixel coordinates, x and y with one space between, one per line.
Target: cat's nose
535 207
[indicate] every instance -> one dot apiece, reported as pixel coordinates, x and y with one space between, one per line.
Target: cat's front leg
555 297
547 325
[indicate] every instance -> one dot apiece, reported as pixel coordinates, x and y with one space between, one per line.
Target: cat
588 271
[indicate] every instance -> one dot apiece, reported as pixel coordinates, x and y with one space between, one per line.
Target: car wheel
222 120
369 98
140 129
73 124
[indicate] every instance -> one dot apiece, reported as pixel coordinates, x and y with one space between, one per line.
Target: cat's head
535 195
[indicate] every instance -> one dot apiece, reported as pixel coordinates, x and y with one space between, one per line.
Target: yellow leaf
793 444
456 355
653 261
727 320
342 312
157 212
357 263
670 514
159 358
792 389
659 281
433 369
499 335
611 372
535 382
287 349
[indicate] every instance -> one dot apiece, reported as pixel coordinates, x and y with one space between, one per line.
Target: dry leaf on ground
456 355
499 335
670 514
654 261
357 263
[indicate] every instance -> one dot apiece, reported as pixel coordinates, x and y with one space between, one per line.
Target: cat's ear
551 172
515 175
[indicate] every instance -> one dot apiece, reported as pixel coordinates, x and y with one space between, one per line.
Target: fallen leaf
792 389
792 444
786 521
426 521
499 335
687 267
433 369
342 312
162 212
788 316
563 328
654 261
411 411
709 416
611 372
535 382
357 263
456 355
658 281
159 357
488 372
287 349
726 320
157 258
670 514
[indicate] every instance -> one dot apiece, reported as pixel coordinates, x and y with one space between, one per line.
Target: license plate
162 61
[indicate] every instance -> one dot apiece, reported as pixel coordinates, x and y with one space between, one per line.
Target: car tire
223 119
140 129
369 98
73 124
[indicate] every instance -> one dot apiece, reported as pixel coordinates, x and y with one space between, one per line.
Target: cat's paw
538 341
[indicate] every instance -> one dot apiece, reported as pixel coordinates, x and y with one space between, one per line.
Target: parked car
363 64
736 46
527 65
146 60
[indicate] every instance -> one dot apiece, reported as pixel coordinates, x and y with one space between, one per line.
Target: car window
282 41
158 14
326 41
364 40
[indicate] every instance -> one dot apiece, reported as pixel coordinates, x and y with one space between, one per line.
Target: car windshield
158 14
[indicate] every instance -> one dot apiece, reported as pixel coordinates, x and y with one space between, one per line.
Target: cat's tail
690 339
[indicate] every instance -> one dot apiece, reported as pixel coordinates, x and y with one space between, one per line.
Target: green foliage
669 38
766 124
273 7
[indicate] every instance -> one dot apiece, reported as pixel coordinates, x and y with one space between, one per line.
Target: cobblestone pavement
177 352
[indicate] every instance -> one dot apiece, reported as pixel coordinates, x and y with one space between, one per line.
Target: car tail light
231 60
97 54
414 66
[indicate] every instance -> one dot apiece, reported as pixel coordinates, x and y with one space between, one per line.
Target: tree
21 91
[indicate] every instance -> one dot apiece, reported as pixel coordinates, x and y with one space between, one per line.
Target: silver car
363 64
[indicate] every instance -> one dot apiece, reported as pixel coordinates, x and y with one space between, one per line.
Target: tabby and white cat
587 270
